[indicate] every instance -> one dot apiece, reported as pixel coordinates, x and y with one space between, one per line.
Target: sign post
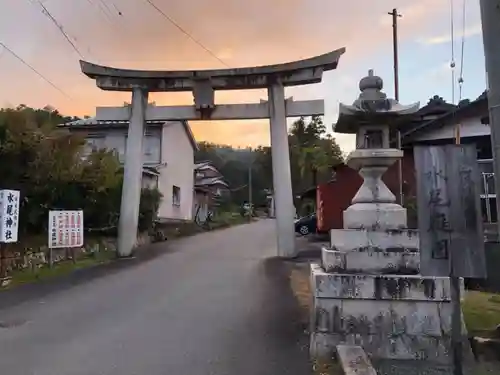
9 222
450 224
9 214
65 230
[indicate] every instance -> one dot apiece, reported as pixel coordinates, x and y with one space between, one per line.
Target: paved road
217 304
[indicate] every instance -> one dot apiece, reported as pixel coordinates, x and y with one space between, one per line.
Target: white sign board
9 215
65 229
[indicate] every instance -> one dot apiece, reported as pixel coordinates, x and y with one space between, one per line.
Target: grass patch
62 268
301 287
481 311
185 229
299 282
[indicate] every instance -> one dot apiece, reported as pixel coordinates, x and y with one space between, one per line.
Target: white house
470 121
168 154
209 184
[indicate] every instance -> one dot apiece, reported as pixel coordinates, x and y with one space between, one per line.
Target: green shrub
47 166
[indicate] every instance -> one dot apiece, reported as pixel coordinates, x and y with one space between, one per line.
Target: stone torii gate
203 83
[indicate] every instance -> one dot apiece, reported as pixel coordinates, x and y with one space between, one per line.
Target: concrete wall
178 154
116 139
470 127
169 149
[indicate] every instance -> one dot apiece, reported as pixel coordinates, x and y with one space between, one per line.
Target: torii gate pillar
203 83
132 175
282 177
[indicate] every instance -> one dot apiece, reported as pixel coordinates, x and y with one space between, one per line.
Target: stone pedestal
368 291
372 296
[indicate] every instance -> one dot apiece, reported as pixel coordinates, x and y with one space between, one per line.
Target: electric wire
46 12
25 63
185 32
105 5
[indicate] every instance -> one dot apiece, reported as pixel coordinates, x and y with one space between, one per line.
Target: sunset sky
241 33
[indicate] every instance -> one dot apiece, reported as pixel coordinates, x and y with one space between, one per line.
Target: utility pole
395 16
250 205
490 20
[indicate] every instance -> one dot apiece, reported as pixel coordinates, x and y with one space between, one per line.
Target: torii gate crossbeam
203 83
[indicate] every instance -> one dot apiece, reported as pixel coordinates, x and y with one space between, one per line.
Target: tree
46 164
312 154
314 158
308 134
312 151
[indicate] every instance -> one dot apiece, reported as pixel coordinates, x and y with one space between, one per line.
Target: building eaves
459 113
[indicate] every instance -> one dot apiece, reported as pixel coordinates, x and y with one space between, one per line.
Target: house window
152 148
487 177
117 142
121 148
488 194
489 210
94 143
176 195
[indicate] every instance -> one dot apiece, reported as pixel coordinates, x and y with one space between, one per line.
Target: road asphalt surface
215 303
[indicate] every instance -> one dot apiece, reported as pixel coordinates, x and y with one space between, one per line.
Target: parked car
306 225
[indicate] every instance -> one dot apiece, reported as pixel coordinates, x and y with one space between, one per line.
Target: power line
169 19
46 12
101 9
105 5
117 9
19 58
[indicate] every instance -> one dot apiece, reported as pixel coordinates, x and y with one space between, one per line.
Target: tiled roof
93 121
465 109
210 181
202 164
436 104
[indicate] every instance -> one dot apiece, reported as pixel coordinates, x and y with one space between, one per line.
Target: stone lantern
367 290
370 117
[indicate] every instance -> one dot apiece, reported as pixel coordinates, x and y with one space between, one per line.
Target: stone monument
368 290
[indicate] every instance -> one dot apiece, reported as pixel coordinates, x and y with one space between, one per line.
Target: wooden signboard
449 211
9 215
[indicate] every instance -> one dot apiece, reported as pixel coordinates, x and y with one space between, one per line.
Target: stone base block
367 251
398 240
378 287
375 216
385 329
390 316
379 263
